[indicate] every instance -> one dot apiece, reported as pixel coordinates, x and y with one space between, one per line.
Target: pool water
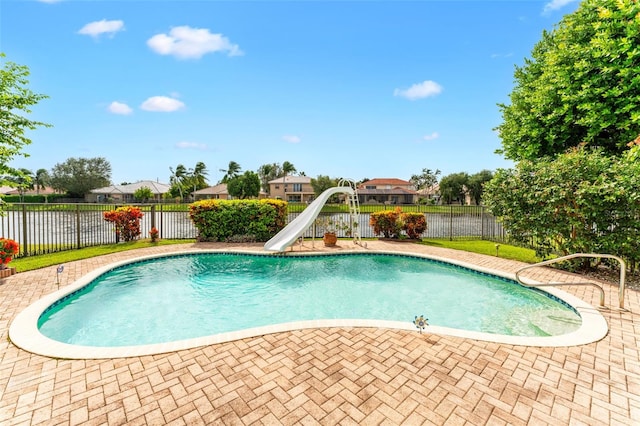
187 296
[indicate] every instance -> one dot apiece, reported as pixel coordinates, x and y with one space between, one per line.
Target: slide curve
290 233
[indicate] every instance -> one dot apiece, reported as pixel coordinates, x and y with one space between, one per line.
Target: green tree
184 181
476 183
581 85
78 176
267 173
195 179
15 101
199 175
233 170
22 180
322 183
287 169
143 194
246 185
454 187
583 201
176 180
41 180
426 179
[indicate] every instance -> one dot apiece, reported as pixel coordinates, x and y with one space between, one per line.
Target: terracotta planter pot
7 272
330 239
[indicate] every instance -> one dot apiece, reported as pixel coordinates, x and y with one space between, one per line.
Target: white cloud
432 136
191 145
162 104
291 138
556 4
119 108
97 28
185 42
420 90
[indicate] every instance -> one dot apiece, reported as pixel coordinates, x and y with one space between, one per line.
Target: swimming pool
189 298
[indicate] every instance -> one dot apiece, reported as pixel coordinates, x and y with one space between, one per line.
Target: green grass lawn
35 262
475 246
504 251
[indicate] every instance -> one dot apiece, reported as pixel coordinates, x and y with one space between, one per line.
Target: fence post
482 222
450 222
77 226
25 228
153 215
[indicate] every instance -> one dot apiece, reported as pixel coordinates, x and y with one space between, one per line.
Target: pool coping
24 332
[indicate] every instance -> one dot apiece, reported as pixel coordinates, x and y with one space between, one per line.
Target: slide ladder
354 211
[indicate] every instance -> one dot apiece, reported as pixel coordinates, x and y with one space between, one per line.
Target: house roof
386 181
292 179
430 190
155 187
8 190
392 191
221 188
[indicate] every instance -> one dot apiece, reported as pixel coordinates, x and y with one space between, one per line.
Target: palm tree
177 177
200 173
233 170
41 180
287 168
268 172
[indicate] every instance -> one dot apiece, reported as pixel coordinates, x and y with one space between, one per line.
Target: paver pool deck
329 376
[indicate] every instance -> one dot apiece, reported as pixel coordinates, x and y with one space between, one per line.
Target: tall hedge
238 220
584 201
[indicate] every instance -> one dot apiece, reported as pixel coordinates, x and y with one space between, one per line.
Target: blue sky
346 89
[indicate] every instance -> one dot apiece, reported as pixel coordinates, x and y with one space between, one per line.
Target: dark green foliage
582 202
321 184
475 185
580 86
426 179
15 102
78 176
453 187
51 198
244 186
224 220
143 194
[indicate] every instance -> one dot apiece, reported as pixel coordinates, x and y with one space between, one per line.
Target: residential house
430 195
293 189
216 192
124 193
387 191
9 190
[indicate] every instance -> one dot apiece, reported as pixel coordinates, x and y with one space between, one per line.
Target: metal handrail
623 271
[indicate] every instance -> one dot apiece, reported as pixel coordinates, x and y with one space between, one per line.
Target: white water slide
290 233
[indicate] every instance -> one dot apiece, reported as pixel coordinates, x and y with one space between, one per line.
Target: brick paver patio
328 376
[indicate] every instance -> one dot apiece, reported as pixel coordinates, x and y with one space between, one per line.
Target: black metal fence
49 228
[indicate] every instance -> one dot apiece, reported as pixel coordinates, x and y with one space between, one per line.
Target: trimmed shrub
386 223
127 222
51 198
391 223
415 224
229 220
